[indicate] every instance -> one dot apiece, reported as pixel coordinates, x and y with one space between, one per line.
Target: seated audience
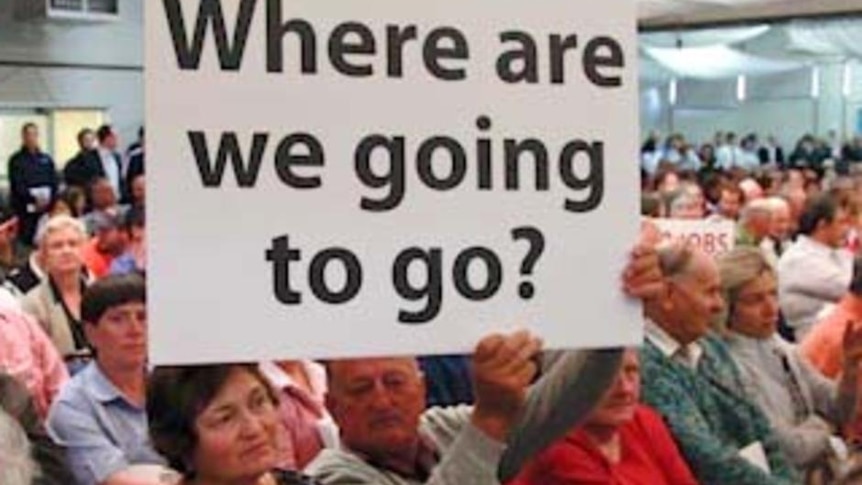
48 456
690 379
774 245
755 222
217 424
621 441
103 200
108 244
13 254
388 436
816 270
138 194
18 467
307 424
100 416
56 301
28 355
730 202
134 259
801 404
822 346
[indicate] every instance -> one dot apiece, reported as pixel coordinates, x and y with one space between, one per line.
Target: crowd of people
748 374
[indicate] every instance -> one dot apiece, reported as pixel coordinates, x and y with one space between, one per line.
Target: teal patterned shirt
711 417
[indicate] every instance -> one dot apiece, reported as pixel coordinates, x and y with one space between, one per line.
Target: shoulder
333 466
286 477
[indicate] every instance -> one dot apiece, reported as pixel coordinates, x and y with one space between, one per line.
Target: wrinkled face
377 404
618 405
729 204
835 232
236 432
61 250
693 300
755 311
120 336
781 223
30 137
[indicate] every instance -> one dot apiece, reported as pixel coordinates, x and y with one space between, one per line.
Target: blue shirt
102 431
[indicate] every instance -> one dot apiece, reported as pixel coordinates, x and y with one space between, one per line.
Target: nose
252 424
380 396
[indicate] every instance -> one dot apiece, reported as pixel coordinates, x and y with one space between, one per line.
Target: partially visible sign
714 237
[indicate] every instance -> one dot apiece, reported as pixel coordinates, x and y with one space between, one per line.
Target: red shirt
648 455
98 263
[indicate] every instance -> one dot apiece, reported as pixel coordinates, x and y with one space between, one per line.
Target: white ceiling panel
656 14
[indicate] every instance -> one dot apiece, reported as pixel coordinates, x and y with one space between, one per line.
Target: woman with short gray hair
802 405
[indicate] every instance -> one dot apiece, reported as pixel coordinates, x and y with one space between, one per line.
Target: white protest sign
712 236
368 177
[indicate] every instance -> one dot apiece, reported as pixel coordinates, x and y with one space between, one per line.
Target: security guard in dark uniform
32 183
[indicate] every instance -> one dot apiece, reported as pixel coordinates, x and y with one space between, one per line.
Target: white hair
756 208
16 465
57 223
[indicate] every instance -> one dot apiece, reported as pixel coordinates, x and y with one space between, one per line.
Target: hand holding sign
405 190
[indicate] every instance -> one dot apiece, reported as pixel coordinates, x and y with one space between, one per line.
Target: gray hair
16 465
736 269
758 208
57 223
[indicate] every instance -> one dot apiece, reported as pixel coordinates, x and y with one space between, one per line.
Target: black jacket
26 171
81 170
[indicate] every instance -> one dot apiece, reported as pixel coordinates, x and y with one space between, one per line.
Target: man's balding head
377 404
691 298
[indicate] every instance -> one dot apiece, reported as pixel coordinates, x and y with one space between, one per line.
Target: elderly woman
621 441
217 424
802 405
56 301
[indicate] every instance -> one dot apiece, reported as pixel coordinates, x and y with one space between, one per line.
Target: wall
109 56
779 104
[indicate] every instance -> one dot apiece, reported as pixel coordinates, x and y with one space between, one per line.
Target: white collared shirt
672 349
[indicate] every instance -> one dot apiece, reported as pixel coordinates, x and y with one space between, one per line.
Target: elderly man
690 379
99 416
774 245
378 405
816 270
755 222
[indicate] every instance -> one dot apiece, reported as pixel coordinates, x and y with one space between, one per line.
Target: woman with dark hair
217 424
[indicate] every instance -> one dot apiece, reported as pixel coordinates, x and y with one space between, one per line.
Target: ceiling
665 14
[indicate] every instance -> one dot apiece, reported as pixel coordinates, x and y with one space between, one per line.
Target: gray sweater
572 384
769 367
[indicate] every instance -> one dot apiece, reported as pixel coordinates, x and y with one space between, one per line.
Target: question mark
537 246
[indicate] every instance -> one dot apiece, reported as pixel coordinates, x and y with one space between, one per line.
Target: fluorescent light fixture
847 81
815 82
740 87
671 92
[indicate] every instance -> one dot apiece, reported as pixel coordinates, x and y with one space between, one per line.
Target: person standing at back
32 183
